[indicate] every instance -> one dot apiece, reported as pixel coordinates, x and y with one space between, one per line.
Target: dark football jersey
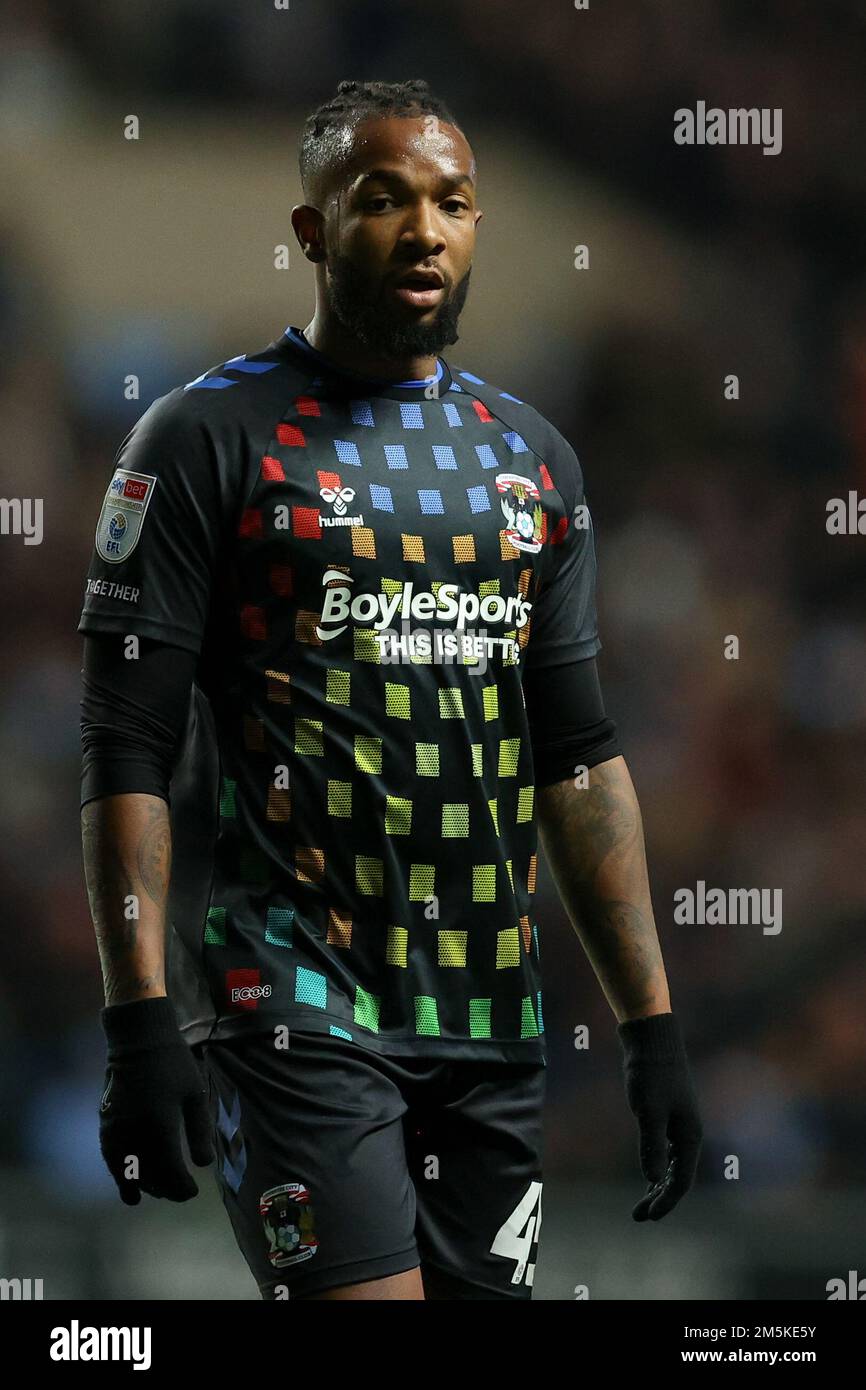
365 570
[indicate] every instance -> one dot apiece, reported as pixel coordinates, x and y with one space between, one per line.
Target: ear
308 226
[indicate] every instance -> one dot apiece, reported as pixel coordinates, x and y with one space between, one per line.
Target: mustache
398 274
347 272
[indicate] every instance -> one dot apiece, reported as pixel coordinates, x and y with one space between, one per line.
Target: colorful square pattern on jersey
365 569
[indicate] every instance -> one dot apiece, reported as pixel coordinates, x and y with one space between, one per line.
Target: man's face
405 203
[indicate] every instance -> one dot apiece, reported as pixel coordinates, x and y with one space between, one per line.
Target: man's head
389 188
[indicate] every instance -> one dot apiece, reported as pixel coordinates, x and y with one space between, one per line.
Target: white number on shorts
515 1236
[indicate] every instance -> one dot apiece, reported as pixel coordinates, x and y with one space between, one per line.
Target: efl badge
288 1221
122 515
521 507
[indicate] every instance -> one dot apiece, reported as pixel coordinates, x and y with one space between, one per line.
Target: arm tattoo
154 854
113 839
593 839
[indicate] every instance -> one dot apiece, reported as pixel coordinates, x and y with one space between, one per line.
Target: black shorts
337 1165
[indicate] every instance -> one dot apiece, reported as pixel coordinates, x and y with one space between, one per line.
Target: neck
328 336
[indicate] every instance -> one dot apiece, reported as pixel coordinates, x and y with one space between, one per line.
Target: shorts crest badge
288 1221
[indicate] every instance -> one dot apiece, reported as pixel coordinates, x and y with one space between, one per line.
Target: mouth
420 288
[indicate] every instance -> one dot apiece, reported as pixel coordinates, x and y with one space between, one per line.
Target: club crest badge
521 506
122 515
288 1221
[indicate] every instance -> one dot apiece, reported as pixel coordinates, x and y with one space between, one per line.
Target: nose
423 228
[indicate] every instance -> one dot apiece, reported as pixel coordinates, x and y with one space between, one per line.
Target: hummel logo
340 499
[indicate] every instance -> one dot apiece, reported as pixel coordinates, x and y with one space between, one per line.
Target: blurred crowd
709 515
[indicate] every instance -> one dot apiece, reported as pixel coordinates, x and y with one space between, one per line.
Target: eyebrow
394 176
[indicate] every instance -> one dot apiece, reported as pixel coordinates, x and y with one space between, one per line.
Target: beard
385 328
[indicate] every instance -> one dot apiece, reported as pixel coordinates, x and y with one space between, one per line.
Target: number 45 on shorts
515 1236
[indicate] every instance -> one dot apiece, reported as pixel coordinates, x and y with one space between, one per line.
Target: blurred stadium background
156 257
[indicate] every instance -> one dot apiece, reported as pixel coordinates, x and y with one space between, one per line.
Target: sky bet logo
379 610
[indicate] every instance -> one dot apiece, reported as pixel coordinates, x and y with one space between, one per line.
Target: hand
661 1095
154 1090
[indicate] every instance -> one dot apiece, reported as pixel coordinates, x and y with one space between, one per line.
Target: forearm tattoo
593 838
111 844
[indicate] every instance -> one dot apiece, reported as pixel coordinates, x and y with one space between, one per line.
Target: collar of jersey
361 385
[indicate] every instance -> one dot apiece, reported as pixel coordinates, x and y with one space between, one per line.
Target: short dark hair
357 101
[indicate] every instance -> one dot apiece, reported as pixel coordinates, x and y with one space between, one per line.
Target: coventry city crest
288 1221
521 507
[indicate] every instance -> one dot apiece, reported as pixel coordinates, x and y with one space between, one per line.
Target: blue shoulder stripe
234 364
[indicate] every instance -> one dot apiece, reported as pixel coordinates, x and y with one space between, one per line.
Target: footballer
339 678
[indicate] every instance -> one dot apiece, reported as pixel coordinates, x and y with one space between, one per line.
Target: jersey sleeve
564 626
158 534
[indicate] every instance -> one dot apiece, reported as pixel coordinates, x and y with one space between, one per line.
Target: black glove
661 1094
154 1088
